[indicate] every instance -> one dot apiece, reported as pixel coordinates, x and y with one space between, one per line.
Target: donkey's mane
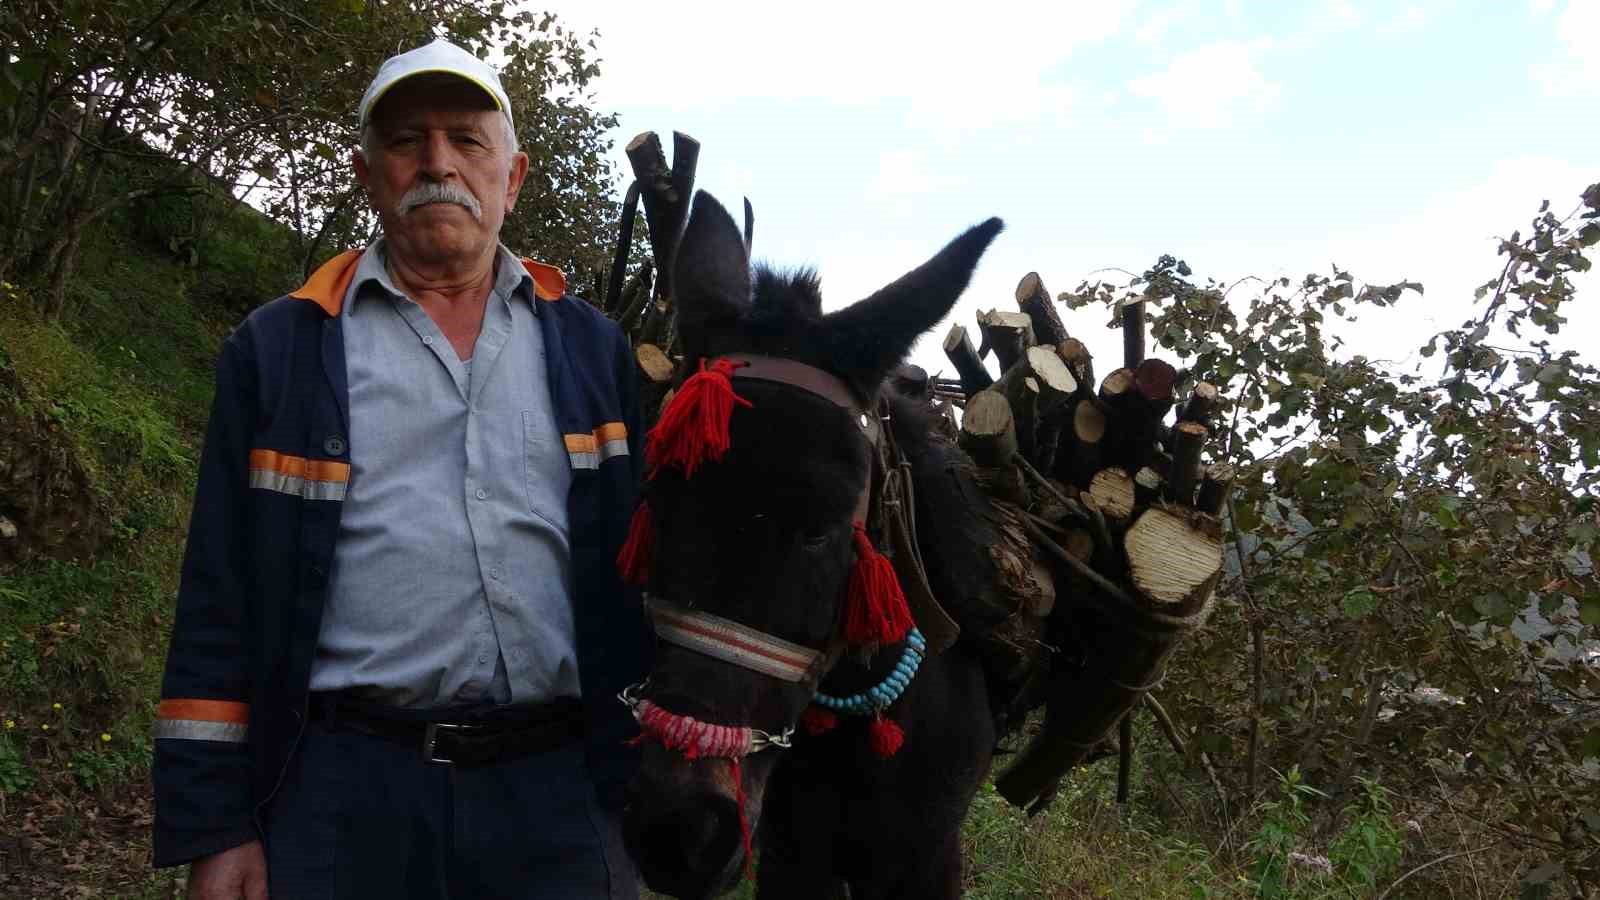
784 297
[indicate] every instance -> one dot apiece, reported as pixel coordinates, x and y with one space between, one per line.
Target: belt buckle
430 741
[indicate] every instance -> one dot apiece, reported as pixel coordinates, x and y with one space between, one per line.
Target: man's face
437 137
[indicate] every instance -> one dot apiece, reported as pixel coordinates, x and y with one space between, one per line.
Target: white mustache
440 192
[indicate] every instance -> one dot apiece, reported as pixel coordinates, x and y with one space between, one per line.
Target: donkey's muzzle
684 836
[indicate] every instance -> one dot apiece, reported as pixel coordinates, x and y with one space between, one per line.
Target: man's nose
438 158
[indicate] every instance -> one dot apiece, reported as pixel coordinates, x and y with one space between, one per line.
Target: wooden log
1112 490
1023 395
1086 451
1008 334
988 433
913 381
1056 384
1034 300
1214 488
635 294
1188 440
1079 362
1117 389
1132 333
655 379
1200 405
1004 484
958 348
1154 379
1079 543
1147 484
1174 557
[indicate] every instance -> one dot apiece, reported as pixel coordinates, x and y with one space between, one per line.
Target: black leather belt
471 736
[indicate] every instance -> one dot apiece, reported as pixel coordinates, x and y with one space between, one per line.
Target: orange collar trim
331 281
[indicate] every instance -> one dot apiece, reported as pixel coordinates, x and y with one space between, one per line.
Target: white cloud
1209 86
1574 69
1409 19
961 66
902 174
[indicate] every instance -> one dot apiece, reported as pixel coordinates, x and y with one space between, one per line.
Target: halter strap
733 642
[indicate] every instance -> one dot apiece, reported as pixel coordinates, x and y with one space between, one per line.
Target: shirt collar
511 278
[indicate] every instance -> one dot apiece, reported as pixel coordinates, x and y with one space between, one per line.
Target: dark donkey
756 559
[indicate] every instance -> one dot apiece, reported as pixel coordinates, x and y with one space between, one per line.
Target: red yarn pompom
694 427
885 736
875 606
817 720
638 554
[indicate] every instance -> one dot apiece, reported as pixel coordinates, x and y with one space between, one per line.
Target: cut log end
1174 556
1113 492
988 432
654 364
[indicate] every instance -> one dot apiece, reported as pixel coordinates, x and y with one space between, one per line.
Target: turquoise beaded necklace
878 697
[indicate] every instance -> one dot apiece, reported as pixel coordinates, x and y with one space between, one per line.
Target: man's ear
363 170
519 172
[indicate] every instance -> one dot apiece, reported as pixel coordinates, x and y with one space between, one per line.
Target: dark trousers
365 817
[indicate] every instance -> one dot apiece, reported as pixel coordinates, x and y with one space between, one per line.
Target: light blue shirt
452 578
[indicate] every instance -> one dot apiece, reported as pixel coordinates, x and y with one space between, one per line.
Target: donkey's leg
799 821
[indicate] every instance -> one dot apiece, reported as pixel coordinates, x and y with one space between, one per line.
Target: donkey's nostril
709 836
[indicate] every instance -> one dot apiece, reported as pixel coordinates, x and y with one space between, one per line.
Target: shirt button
482 494
427 340
494 572
333 446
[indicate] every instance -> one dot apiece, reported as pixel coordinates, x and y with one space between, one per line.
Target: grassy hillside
101 422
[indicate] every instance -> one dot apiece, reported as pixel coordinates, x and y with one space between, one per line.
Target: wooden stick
1133 334
958 347
1034 300
1088 441
1188 439
1072 506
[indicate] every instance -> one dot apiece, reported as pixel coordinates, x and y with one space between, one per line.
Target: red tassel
875 607
638 554
886 736
694 427
744 817
817 721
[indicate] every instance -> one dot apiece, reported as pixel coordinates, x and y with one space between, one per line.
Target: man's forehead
434 95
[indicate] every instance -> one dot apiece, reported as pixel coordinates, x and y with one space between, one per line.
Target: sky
1396 140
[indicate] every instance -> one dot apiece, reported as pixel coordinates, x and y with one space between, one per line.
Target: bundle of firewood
1093 484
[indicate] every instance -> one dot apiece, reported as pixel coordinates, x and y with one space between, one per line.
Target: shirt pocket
544 467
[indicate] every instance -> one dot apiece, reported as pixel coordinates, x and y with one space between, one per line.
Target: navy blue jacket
272 482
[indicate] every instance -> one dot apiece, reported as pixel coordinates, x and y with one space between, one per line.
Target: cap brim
478 83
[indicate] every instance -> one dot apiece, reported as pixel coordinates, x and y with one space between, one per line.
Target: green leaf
1445 515
1589 612
1358 603
1591 745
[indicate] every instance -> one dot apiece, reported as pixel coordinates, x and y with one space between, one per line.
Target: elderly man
400 631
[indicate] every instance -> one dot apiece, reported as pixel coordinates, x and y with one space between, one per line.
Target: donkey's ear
868 338
711 277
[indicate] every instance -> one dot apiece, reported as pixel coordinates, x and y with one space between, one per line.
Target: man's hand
234 873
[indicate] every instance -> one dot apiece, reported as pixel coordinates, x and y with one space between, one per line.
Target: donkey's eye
816 540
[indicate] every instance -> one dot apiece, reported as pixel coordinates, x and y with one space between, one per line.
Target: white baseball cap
439 57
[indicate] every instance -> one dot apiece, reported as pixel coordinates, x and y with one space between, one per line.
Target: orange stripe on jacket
299 466
590 443
205 711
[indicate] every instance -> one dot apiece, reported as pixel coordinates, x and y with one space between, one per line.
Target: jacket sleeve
201 772
630 644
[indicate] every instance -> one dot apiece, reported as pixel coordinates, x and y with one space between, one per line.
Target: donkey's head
755 546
